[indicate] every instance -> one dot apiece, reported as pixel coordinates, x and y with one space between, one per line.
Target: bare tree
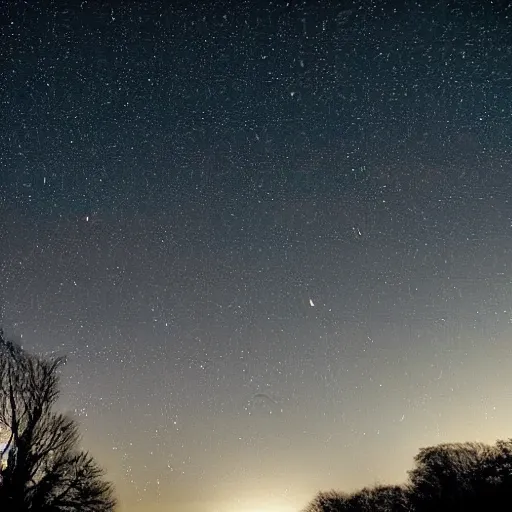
46 471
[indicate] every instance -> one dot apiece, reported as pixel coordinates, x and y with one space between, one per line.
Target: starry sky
273 238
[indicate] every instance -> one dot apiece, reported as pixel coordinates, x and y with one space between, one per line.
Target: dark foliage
378 499
462 476
45 471
448 477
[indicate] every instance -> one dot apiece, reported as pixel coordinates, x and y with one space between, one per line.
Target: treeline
453 477
44 469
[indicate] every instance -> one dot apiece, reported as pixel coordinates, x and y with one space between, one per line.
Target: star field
274 239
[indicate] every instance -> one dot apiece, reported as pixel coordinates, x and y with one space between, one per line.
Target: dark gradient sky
274 240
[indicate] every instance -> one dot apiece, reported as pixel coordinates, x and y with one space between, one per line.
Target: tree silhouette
494 484
448 477
46 471
383 498
328 501
445 475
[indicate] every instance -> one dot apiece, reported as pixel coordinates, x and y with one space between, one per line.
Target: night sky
274 239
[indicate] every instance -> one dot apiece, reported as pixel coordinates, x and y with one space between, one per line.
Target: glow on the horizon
260 505
270 508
